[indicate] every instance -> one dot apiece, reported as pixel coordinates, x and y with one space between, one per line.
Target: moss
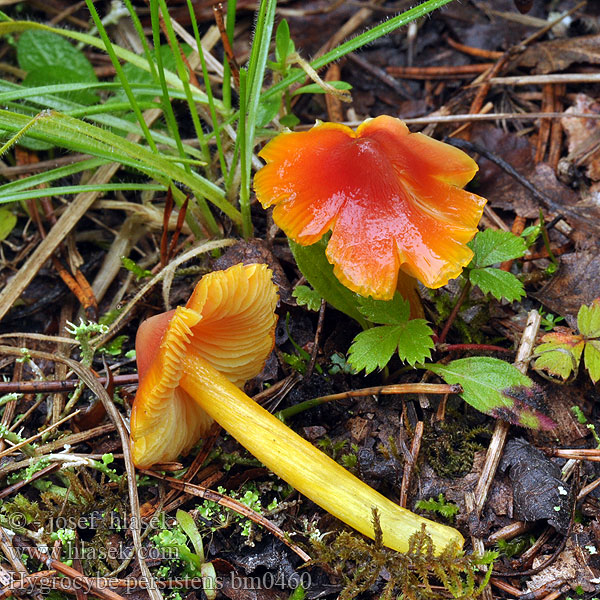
450 447
361 564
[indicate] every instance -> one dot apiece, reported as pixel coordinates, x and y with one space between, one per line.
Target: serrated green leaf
560 353
8 220
307 297
501 284
588 320
497 388
385 312
592 359
415 341
313 264
373 349
493 246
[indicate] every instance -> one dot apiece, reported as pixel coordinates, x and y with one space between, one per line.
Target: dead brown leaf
558 55
571 566
576 283
583 136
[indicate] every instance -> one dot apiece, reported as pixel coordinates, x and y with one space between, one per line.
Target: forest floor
521 93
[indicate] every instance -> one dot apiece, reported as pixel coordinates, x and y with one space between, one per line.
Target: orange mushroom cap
229 322
392 200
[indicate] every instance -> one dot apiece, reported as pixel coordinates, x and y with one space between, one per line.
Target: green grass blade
245 168
359 41
66 106
209 93
256 72
229 27
142 37
172 79
184 75
80 136
168 109
108 47
76 189
52 175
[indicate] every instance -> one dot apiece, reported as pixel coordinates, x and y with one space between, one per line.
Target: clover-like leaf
375 347
497 388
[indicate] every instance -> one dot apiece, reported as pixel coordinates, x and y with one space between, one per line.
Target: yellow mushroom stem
302 465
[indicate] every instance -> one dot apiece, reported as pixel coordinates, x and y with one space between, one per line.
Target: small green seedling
195 564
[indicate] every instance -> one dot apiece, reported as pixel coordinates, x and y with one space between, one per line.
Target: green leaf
7 223
373 349
560 353
313 264
50 74
284 46
45 50
290 120
588 320
415 341
493 246
267 111
592 359
186 522
307 297
385 312
497 388
49 58
501 284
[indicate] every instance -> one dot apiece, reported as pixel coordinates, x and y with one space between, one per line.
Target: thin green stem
229 27
243 140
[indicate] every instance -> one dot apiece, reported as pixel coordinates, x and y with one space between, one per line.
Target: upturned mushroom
391 199
193 362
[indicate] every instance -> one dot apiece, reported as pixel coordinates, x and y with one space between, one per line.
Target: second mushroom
192 363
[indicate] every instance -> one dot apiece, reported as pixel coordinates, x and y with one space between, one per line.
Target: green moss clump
450 447
360 563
